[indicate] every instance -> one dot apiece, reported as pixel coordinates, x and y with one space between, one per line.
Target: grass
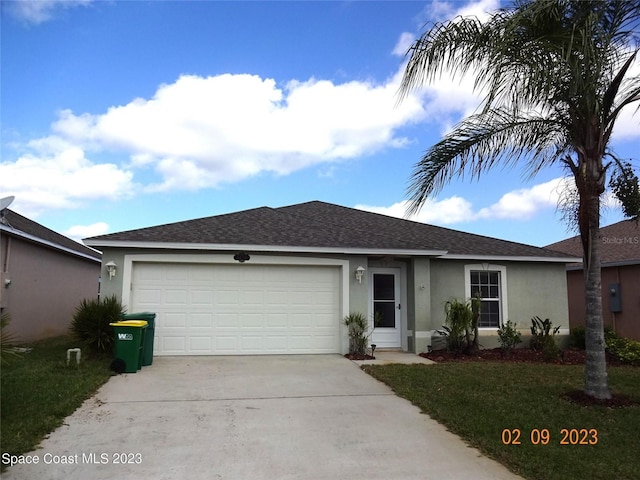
38 391
478 401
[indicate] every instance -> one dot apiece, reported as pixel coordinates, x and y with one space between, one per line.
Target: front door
385 307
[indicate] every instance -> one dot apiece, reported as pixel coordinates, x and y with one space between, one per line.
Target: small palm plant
90 325
358 330
8 350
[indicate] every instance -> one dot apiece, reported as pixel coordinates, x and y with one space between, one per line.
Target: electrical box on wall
615 298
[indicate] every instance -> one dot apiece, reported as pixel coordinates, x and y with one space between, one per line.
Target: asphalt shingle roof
17 224
620 242
323 225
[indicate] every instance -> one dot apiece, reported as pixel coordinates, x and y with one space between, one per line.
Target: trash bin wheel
118 365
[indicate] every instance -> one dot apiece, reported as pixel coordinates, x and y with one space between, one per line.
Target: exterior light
241 257
111 269
359 273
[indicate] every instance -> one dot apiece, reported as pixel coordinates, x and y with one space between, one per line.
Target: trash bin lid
130 323
138 316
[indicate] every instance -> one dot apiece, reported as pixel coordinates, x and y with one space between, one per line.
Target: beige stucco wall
46 287
533 289
428 283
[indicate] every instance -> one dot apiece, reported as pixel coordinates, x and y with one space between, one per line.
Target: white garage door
239 309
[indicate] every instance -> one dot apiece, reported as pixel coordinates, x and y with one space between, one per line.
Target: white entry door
385 304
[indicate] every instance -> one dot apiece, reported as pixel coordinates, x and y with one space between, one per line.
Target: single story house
281 280
43 277
620 258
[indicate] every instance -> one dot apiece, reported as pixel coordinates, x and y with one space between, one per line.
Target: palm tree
556 76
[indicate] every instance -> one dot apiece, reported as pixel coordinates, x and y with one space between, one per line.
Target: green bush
509 336
90 325
357 326
578 337
543 338
459 329
624 349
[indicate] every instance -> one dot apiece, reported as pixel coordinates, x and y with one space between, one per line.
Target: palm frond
555 78
482 141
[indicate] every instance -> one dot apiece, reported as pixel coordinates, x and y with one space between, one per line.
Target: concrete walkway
251 418
383 357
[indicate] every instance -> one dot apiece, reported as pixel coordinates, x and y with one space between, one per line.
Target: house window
489 281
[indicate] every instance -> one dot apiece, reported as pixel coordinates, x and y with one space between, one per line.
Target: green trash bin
150 318
129 337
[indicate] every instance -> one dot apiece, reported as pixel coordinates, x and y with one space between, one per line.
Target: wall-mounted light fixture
111 269
241 257
359 273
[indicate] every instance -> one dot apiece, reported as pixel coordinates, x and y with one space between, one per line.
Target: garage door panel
205 309
173 320
201 298
172 345
201 320
199 345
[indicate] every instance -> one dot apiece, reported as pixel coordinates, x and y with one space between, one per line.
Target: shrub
509 336
8 350
578 337
458 325
461 329
357 326
624 349
90 325
543 338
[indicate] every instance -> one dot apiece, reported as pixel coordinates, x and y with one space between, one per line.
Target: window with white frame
489 282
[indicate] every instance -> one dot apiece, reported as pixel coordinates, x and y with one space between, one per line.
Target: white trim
56 246
424 334
262 248
129 261
504 258
311 249
487 267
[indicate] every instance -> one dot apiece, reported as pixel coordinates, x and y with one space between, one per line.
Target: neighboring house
281 280
620 257
44 276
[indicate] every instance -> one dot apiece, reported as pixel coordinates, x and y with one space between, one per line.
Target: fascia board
47 243
515 258
262 248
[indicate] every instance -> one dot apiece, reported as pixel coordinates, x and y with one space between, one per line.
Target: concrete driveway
246 418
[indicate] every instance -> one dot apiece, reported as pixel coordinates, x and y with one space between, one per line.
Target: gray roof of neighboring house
15 224
321 225
620 244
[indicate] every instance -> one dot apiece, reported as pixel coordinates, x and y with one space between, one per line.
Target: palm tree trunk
596 383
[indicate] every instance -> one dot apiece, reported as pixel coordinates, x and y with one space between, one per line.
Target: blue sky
121 115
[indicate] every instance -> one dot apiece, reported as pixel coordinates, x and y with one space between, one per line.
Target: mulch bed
355 356
519 355
527 355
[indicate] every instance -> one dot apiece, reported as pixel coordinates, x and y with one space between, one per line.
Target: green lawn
38 391
487 402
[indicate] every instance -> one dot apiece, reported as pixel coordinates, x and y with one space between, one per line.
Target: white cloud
40 11
404 42
521 204
56 174
524 203
481 9
78 232
442 10
447 211
201 131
